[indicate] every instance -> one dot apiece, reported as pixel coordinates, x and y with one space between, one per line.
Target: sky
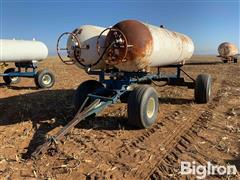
208 23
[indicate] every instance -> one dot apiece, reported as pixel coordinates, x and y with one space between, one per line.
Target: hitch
51 143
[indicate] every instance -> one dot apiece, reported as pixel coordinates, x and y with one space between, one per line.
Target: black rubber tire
202 92
83 90
10 80
124 97
39 79
137 106
235 60
225 61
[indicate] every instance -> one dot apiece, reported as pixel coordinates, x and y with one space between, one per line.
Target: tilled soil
105 147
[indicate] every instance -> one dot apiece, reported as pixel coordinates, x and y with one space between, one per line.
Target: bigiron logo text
202 171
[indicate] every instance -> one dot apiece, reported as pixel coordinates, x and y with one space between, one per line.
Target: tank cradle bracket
172 80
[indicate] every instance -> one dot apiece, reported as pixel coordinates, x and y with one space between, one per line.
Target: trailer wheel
124 97
83 90
44 79
11 80
202 90
142 106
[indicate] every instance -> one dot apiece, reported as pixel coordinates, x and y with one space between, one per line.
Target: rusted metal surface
140 39
169 47
150 46
115 51
227 49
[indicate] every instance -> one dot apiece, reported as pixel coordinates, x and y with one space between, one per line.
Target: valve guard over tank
81 47
138 46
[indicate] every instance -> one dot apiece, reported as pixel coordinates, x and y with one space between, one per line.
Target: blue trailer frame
32 65
19 73
116 87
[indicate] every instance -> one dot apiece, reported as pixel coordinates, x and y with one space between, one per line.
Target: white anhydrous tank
150 46
169 47
22 50
227 49
87 35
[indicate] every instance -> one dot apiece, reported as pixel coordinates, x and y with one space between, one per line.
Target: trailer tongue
51 144
99 99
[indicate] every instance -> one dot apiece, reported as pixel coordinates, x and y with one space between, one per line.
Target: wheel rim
209 88
151 107
14 79
46 79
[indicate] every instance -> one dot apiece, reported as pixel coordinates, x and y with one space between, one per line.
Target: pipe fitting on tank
116 46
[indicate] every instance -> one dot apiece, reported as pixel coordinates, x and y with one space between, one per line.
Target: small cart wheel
11 80
44 79
202 90
142 106
235 60
83 90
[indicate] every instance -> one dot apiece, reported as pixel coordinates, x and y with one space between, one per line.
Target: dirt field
105 147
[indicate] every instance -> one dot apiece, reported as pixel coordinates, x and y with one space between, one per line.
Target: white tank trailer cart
121 56
25 55
228 52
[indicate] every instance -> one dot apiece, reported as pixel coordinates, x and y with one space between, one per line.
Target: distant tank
138 46
22 50
25 54
228 52
81 47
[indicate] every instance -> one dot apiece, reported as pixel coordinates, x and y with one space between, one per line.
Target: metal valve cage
76 49
124 47
74 36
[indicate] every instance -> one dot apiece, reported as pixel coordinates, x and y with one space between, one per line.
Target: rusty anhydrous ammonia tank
139 46
87 36
227 49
